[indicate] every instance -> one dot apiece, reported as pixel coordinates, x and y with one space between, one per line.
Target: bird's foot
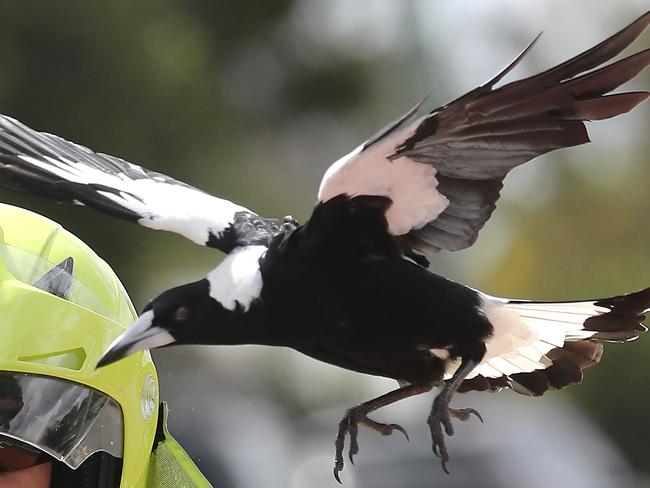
440 418
349 425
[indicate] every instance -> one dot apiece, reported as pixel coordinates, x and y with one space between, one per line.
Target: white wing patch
238 280
161 205
525 332
411 186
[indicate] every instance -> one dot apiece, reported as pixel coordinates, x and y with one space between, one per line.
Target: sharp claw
444 466
340 446
464 414
336 475
438 444
399 428
354 446
477 414
436 451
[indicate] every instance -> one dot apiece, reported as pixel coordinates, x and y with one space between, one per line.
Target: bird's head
177 316
215 310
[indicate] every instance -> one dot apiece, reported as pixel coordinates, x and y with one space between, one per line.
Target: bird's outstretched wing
49 166
444 171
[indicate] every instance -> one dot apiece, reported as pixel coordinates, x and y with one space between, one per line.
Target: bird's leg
441 413
359 415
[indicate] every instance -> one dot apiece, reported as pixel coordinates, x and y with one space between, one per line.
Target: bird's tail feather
557 341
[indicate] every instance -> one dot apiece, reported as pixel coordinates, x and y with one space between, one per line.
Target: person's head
63 423
37 476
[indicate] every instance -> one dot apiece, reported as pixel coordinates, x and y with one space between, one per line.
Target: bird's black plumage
246 229
350 286
368 309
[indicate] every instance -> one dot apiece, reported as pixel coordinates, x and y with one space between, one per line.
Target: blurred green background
252 101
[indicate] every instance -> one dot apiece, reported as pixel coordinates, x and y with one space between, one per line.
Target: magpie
351 285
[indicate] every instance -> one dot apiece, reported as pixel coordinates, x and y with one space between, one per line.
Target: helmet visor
66 420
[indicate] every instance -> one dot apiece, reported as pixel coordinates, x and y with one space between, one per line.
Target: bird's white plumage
564 315
237 279
410 185
161 205
525 332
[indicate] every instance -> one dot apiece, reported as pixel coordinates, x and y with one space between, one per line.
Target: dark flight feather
487 132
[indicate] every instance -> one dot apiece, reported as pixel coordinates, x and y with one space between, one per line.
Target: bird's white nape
237 279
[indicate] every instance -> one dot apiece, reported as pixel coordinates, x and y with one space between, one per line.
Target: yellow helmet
60 308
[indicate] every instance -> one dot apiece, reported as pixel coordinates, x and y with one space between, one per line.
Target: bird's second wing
444 171
49 166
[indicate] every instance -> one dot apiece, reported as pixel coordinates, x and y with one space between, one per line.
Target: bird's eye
181 314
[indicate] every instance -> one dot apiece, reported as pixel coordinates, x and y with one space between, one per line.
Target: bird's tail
542 345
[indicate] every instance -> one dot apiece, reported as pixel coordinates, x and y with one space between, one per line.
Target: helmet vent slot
70 359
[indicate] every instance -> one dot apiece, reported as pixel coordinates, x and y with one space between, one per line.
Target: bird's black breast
358 304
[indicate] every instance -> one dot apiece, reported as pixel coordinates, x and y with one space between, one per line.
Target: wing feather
49 166
469 145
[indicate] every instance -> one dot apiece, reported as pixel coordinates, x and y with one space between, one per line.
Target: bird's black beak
143 334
